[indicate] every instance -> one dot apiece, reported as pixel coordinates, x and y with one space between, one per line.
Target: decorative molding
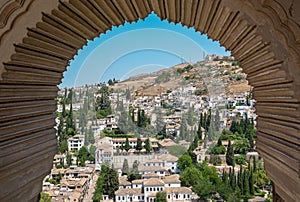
7 9
31 76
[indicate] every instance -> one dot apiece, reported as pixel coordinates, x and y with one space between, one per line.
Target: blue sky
144 46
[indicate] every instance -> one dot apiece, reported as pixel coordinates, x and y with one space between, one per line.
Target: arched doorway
38 38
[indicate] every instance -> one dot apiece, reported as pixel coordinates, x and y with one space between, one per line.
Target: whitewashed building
75 143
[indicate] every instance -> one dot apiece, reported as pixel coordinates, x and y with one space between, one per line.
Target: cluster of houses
232 106
159 174
110 149
68 184
159 170
145 189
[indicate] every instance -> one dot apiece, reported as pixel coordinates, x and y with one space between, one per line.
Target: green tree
83 155
125 123
161 197
44 197
110 82
190 176
86 137
191 120
224 190
125 168
184 162
215 160
217 121
241 160
199 131
142 120
69 159
127 145
241 146
102 104
183 131
111 183
203 188
139 145
216 150
159 122
211 133
148 145
92 150
208 120
134 176
261 179
251 182
232 179
135 166
230 154
107 183
63 146
91 138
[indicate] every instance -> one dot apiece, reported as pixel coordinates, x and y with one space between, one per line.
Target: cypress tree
125 168
135 167
147 145
225 177
139 146
204 121
201 120
230 154
91 138
199 131
232 179
240 179
127 146
219 142
139 118
208 120
246 183
251 182
164 131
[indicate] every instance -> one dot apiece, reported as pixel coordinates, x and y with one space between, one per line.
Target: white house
159 170
151 187
133 194
145 190
76 142
172 181
104 152
167 161
170 162
178 194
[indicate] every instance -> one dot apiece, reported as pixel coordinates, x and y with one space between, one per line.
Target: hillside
208 77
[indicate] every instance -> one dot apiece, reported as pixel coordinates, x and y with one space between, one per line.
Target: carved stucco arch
38 38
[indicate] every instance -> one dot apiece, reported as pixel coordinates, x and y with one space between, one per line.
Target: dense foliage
107 183
102 104
44 197
161 197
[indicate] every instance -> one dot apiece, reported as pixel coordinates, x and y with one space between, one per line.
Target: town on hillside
185 133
